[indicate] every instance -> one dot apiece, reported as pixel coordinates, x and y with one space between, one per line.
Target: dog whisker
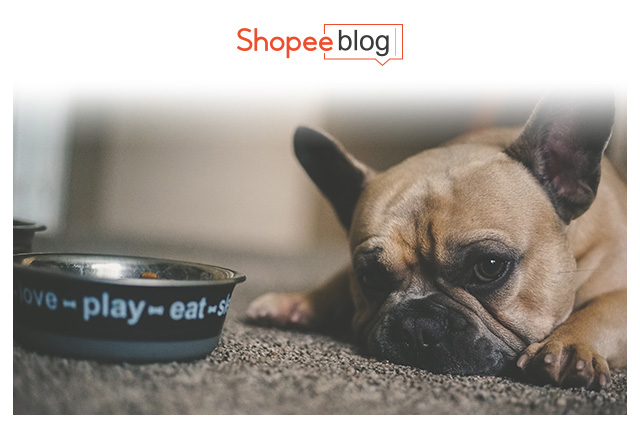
577 271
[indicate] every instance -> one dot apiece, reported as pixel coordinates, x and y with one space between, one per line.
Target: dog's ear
336 172
562 145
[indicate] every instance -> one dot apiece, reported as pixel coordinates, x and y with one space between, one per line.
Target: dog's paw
564 363
281 310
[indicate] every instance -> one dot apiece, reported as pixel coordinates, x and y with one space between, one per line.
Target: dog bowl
119 308
23 232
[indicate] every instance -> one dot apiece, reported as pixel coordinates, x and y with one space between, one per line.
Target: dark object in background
23 233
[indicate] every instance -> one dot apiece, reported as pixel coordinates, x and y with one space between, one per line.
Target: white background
139 46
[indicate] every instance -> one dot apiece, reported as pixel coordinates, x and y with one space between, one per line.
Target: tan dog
491 255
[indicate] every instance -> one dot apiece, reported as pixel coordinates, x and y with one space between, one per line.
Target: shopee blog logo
378 42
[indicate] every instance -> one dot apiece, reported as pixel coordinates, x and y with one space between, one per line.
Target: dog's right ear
339 175
562 145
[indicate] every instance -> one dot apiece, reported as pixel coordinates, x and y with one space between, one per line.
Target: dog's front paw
281 310
564 363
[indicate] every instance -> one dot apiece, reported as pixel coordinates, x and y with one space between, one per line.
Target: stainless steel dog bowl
119 308
23 233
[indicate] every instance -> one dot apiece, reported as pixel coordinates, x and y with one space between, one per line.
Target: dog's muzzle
428 333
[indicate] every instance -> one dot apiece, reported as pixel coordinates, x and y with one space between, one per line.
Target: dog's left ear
562 145
339 175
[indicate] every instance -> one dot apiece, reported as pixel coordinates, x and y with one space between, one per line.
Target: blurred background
218 175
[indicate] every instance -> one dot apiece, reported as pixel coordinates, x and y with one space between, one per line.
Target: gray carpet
258 370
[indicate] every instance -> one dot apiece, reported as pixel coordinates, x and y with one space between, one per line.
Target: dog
502 252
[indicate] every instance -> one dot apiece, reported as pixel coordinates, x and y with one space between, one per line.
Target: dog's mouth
430 334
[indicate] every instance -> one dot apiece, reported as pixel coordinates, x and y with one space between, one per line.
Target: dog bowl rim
234 276
27 225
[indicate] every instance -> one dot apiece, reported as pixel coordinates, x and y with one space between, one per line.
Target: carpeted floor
257 370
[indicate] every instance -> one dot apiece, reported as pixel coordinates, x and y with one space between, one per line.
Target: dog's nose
423 323
422 332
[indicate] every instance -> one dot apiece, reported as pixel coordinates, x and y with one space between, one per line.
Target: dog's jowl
503 251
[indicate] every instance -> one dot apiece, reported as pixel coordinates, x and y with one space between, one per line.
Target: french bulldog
502 252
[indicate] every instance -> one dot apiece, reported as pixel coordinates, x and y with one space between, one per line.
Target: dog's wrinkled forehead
449 196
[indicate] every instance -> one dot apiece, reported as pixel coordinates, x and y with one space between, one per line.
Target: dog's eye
489 269
373 281
367 280
376 278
